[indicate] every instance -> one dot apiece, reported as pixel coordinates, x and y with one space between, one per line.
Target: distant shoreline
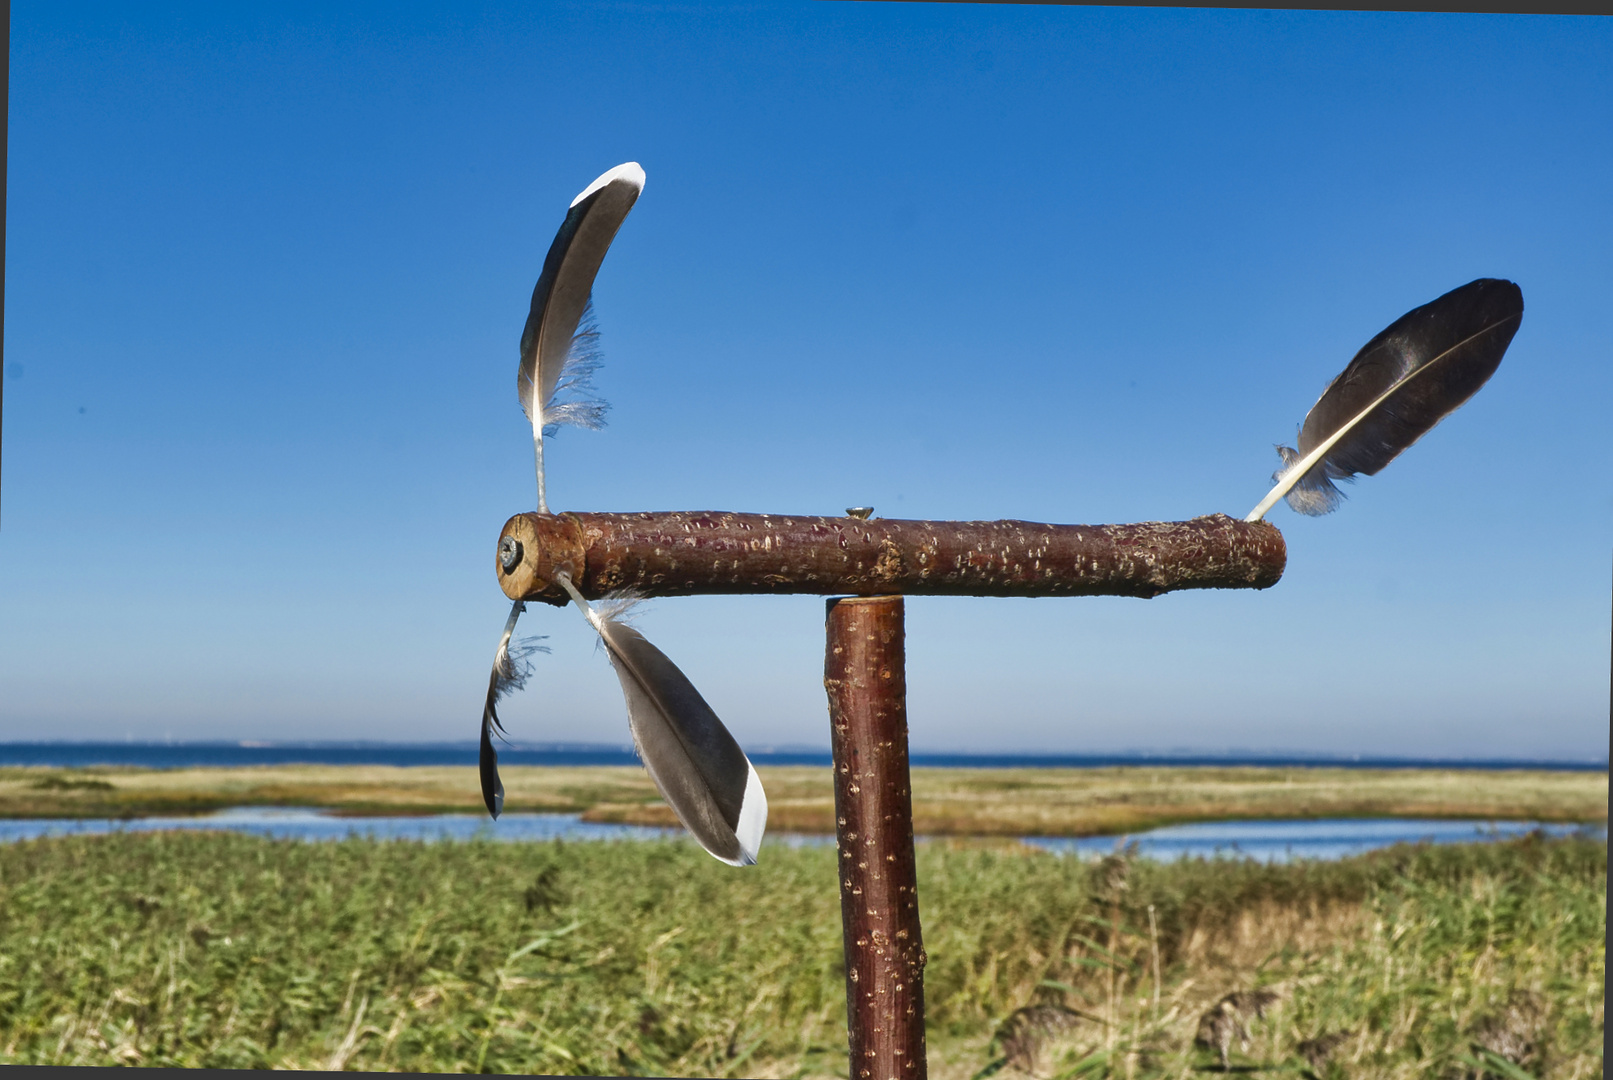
1036 801
246 754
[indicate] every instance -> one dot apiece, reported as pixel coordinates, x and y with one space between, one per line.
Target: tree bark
864 674
680 553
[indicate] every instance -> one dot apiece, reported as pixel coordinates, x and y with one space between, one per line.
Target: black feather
511 669
492 786
1411 376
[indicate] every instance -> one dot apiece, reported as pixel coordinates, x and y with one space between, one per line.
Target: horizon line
1179 755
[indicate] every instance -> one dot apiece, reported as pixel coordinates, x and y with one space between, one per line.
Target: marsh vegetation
199 949
955 802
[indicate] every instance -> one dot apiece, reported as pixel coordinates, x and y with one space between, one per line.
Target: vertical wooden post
864 674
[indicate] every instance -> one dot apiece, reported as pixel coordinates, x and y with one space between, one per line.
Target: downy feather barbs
559 344
694 761
574 402
511 669
1419 370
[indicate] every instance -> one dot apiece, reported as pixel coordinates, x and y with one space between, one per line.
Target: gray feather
695 763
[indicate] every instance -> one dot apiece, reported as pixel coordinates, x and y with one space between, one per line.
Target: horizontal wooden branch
681 553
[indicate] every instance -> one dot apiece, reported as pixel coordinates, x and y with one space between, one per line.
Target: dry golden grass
992 802
372 789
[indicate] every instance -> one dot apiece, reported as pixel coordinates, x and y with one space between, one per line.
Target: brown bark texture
863 672
682 553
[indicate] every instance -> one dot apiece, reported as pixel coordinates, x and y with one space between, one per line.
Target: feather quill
1419 370
511 668
559 344
696 764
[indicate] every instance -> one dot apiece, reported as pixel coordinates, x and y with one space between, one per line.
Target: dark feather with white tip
695 762
1419 370
555 354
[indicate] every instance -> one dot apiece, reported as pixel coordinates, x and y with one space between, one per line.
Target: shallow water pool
1266 841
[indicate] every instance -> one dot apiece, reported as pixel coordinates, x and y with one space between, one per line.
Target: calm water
302 823
1280 841
1267 841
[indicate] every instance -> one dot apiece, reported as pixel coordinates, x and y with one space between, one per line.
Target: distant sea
180 755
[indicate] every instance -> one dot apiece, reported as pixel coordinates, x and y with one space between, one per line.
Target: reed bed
232 951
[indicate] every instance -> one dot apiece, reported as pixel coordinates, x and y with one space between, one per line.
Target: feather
580 408
696 764
1404 381
511 668
555 353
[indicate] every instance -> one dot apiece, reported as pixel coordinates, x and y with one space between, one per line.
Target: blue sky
267 268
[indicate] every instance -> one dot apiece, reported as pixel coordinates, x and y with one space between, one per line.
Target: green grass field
650 958
946 802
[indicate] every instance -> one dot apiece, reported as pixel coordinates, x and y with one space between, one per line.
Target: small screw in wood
509 553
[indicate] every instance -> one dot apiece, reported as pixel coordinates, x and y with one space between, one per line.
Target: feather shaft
537 458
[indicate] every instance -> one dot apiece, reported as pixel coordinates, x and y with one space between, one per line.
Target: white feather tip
752 820
629 171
